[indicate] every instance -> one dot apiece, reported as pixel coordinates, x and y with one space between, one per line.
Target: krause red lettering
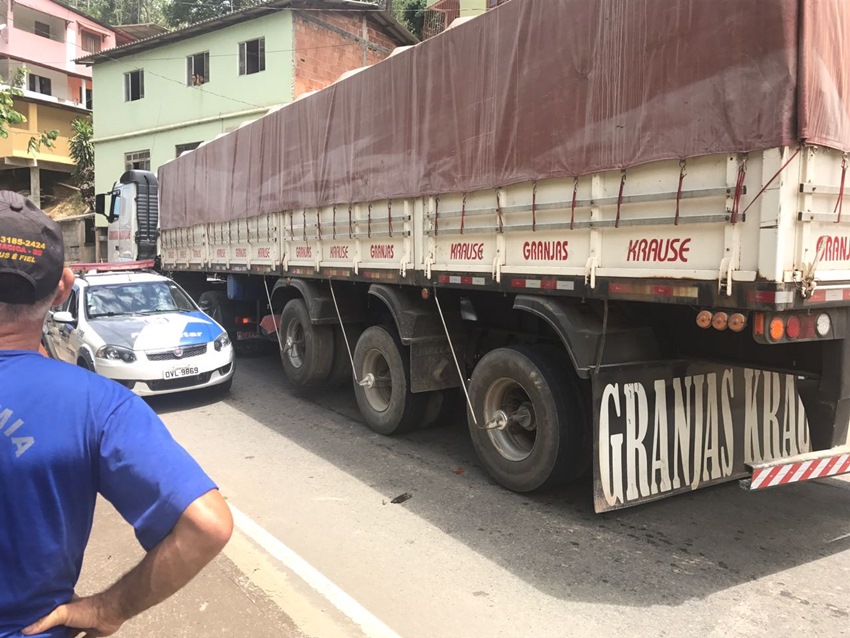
659 250
467 250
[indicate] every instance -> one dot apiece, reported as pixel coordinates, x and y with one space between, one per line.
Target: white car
142 330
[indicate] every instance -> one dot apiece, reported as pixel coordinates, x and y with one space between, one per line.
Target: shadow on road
663 553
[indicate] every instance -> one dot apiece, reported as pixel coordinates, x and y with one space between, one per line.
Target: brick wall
327 44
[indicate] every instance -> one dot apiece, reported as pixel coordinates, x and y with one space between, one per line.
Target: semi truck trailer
614 234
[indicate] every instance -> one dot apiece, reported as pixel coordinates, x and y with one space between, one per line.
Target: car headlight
116 353
221 341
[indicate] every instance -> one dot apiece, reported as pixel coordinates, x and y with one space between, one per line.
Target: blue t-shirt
65 435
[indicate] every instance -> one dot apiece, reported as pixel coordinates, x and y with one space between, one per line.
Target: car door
65 331
53 330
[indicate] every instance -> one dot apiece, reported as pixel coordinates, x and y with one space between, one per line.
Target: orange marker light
704 319
719 321
758 323
738 322
777 328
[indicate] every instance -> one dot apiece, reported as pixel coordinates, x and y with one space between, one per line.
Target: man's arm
200 534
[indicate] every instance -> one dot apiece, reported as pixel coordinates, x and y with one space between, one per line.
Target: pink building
46 37
39 41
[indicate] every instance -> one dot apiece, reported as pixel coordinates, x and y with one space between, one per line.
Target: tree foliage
117 12
82 152
179 14
411 13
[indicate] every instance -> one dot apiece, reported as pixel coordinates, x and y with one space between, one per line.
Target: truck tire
307 353
389 407
545 441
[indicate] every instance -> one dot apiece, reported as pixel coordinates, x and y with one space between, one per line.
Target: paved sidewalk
220 601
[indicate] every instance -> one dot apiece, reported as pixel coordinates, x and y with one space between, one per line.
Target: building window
87 97
198 69
137 161
91 42
182 148
42 29
252 56
38 84
134 85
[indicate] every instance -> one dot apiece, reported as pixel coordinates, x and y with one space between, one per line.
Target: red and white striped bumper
801 468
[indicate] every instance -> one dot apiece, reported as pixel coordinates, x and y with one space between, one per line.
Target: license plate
176 373
246 335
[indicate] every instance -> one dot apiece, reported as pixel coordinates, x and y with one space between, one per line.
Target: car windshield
138 298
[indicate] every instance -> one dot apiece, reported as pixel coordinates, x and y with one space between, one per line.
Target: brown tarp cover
537 89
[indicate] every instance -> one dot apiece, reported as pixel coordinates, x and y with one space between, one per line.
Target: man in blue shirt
65 436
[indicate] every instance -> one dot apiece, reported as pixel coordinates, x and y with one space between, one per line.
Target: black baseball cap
32 254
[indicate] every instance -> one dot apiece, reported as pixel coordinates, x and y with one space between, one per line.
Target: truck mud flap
671 427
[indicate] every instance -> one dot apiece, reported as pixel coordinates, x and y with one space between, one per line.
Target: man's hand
88 614
199 535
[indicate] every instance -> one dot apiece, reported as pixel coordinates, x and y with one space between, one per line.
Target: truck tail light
737 322
777 328
719 321
704 319
792 328
244 321
758 324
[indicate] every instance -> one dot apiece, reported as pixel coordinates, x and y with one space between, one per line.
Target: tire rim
516 440
295 343
380 391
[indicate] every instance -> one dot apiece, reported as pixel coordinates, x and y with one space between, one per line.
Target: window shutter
241 58
141 84
189 70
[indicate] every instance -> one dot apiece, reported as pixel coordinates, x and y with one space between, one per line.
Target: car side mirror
63 316
206 305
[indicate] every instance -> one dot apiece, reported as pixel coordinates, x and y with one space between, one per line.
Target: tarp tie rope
304 224
573 205
499 211
350 224
840 203
534 207
318 224
369 223
462 213
390 216
334 224
436 216
291 229
682 174
771 180
620 197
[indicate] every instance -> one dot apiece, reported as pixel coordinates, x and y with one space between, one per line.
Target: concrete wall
74 237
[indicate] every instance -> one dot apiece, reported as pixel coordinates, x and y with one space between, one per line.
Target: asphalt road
324 551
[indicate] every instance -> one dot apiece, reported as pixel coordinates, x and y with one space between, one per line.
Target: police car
142 330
